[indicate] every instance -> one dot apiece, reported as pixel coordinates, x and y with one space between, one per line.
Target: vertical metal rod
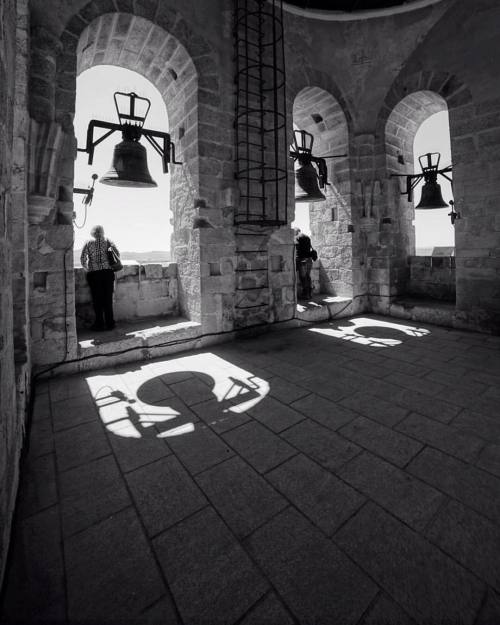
237 59
247 129
276 114
262 155
285 116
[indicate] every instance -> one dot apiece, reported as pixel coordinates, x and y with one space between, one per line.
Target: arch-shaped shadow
161 402
373 332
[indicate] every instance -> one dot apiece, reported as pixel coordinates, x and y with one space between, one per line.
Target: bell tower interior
184 438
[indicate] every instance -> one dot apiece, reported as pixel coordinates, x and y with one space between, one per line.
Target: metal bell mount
431 190
129 167
308 182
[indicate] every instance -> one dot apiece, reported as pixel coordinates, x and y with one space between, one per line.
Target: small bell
431 191
306 183
431 197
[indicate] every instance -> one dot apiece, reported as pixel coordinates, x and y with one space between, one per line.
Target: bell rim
309 199
423 208
121 182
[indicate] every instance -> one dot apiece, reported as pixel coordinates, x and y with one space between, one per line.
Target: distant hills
155 256
436 251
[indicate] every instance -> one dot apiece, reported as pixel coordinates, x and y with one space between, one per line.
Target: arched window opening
326 222
138 220
417 125
434 233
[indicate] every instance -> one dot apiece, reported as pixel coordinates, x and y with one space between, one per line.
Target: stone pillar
13 19
52 150
20 274
45 47
252 301
384 237
475 132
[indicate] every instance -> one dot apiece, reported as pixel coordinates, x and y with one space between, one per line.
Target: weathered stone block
153 271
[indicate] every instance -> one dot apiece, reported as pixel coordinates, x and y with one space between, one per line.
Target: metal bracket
88 193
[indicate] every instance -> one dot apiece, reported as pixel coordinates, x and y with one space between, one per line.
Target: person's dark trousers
101 285
304 270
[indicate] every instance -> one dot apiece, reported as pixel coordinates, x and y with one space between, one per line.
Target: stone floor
343 473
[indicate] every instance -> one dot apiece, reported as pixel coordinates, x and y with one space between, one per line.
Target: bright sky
137 220
432 227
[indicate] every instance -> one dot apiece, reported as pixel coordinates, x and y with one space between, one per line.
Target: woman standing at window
100 277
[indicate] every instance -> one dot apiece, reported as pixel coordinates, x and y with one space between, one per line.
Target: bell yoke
129 167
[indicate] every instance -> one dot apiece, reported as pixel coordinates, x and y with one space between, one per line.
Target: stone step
323 308
130 342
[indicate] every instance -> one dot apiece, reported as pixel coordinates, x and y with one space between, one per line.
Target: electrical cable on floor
84 220
196 338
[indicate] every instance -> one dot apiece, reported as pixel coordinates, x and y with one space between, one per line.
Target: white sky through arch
137 220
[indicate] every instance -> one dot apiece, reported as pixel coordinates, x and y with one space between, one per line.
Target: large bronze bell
431 196
129 167
306 183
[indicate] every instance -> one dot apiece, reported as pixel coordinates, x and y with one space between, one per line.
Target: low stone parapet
141 291
433 277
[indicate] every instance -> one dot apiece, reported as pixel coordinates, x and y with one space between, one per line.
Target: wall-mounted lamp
129 167
308 182
87 193
431 191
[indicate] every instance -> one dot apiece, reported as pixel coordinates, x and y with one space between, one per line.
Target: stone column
19 220
45 47
381 228
51 154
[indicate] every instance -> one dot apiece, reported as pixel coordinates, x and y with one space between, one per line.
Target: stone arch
137 36
403 123
400 130
136 43
157 43
319 112
411 100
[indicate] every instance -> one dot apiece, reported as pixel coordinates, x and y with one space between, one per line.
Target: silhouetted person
304 256
100 276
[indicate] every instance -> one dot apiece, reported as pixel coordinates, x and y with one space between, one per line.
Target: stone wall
432 277
141 291
13 374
